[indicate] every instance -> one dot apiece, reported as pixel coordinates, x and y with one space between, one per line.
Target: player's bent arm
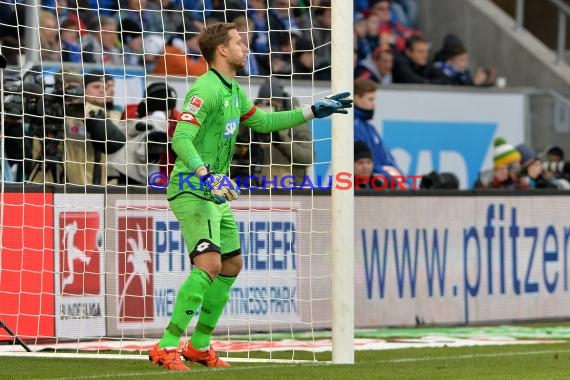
183 146
264 122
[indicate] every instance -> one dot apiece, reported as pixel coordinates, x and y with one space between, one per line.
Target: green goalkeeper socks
188 301
215 300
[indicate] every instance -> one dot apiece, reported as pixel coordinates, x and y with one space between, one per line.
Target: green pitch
544 361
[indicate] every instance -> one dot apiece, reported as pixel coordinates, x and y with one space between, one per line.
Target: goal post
342 200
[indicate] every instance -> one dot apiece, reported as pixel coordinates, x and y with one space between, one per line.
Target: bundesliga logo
79 253
135 270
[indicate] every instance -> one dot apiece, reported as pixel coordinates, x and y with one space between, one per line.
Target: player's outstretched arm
264 122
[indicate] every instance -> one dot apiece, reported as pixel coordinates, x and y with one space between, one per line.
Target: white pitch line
244 368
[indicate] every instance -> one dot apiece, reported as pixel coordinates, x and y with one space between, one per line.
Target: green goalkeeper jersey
208 126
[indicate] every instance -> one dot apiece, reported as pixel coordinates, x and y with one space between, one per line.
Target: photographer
22 105
148 127
76 123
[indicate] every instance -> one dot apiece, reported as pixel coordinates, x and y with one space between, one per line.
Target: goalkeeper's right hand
222 187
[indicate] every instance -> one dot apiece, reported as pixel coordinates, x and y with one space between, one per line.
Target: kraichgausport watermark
340 181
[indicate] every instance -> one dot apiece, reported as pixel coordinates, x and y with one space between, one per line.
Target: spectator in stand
89 140
373 32
132 38
412 66
114 111
100 44
150 124
360 41
505 173
65 10
321 35
553 164
257 12
364 104
391 31
12 32
455 70
182 55
377 66
406 11
532 171
49 40
245 29
364 166
139 12
69 37
451 62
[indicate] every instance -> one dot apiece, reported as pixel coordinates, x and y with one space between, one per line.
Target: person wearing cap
88 145
132 39
181 54
364 166
506 168
150 125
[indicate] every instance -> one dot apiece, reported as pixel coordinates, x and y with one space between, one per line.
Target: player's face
236 50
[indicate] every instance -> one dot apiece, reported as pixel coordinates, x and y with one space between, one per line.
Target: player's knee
213 269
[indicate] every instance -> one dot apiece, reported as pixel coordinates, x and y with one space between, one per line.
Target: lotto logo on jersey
195 104
135 269
79 258
231 126
187 116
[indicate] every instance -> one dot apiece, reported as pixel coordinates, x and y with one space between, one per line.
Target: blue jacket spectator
364 102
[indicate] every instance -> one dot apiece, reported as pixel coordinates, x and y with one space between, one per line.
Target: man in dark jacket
412 66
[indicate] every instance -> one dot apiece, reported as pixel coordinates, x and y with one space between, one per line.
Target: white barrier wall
461 260
441 260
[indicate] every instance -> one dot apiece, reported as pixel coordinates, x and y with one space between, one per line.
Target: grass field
543 361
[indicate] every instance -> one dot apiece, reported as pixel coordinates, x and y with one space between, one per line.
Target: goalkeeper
199 191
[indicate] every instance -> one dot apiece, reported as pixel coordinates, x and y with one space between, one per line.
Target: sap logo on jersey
231 126
135 269
422 146
79 260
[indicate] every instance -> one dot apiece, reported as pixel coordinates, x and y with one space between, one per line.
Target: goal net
91 256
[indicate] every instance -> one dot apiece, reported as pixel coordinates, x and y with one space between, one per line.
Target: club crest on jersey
195 104
231 126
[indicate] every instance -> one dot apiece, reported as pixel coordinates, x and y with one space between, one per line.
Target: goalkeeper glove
333 104
222 187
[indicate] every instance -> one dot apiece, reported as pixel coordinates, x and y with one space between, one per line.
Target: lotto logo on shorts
195 104
79 257
135 269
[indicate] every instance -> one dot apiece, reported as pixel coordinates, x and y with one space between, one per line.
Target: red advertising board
27 265
79 255
135 269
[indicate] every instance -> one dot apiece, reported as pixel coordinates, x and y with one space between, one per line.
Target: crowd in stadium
286 38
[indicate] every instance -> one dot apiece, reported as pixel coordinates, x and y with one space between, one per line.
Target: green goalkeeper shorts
206 226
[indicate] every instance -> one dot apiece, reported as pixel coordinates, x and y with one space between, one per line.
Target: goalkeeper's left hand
332 104
222 187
